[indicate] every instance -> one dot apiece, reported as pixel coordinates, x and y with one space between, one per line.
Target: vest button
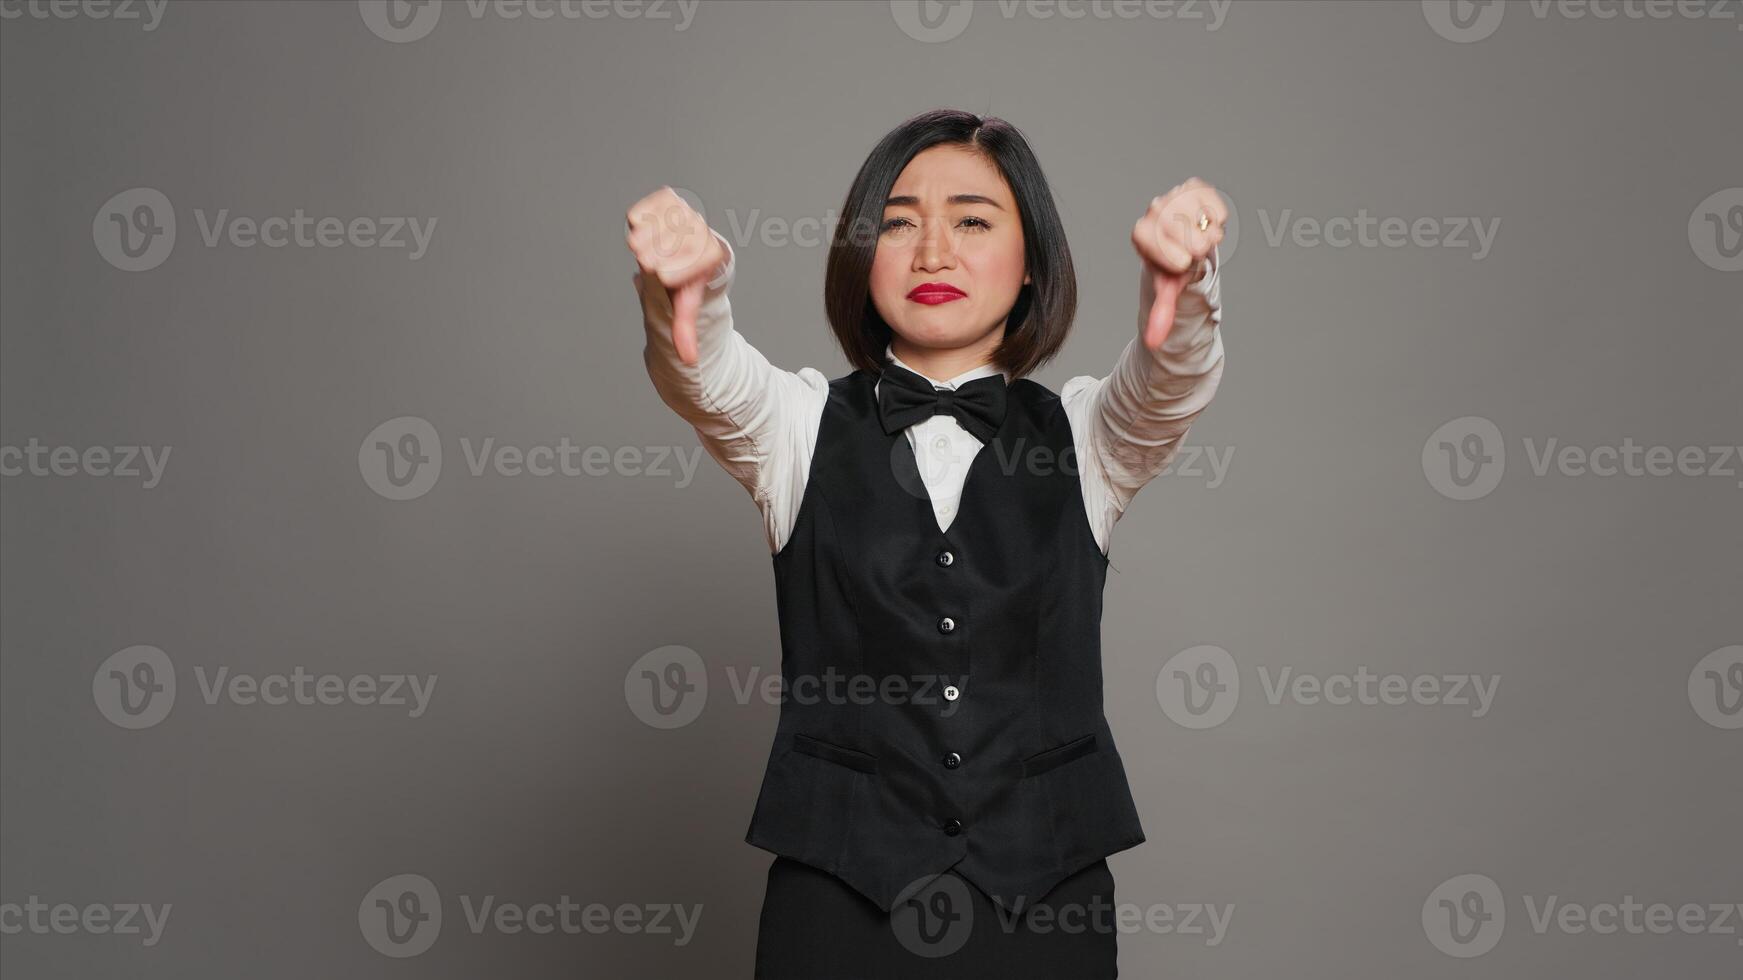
946 625
951 693
952 760
945 559
952 827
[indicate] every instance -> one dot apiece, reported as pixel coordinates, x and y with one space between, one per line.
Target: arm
758 422
1129 424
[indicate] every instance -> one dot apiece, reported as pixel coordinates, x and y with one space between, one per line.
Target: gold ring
1203 220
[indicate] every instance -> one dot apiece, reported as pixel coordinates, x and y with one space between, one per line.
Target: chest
930 509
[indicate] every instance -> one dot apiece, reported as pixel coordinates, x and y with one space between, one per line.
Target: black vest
943 689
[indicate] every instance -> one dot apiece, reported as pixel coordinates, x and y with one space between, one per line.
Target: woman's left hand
1175 249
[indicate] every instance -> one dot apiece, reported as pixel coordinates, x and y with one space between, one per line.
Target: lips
933 293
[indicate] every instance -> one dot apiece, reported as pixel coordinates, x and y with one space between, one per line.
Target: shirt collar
984 371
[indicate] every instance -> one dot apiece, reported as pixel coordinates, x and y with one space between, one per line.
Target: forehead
939 171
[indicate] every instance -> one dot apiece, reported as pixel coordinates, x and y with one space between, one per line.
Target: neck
944 363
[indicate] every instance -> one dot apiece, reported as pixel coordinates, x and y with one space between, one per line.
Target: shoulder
1079 388
783 391
842 387
1042 405
1033 392
851 377
812 388
1074 393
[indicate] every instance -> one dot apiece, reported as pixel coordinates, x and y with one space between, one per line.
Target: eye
971 221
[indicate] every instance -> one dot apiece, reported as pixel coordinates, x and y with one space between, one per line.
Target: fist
1174 247
672 244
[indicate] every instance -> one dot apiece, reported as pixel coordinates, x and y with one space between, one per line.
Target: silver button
946 624
951 693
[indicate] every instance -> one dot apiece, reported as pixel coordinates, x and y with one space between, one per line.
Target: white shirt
760 422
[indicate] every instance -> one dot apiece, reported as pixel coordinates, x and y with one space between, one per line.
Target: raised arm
758 421
1129 424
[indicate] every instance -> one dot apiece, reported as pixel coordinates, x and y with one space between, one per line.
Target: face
949 259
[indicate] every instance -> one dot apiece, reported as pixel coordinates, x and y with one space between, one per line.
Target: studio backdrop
366 613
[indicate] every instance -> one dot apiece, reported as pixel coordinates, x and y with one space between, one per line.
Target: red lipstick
934 293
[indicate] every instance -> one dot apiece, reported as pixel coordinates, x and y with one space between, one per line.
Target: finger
1185 220
662 234
1150 239
686 300
1162 310
1166 250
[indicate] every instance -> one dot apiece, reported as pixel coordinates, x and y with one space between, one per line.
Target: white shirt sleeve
1128 425
758 421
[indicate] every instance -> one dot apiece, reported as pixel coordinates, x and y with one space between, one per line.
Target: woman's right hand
673 243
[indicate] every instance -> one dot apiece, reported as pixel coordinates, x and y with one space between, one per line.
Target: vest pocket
1059 755
839 754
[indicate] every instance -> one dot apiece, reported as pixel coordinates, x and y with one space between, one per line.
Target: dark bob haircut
1045 306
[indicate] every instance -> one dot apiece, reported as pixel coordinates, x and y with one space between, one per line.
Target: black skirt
815 927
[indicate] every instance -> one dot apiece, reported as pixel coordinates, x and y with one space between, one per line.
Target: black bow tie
905 398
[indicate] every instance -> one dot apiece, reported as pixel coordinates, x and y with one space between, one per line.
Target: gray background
532 775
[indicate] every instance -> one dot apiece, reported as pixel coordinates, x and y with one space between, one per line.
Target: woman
943 789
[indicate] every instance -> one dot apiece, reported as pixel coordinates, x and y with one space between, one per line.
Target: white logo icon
135 230
1465 916
1716 688
1199 687
933 919
667 687
135 687
401 916
931 21
1464 459
400 21
1716 230
1464 21
401 458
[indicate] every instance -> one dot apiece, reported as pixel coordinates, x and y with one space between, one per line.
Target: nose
936 250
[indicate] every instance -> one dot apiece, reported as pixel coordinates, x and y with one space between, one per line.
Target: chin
935 341
937 335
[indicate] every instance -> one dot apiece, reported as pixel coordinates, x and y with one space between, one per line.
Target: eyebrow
909 200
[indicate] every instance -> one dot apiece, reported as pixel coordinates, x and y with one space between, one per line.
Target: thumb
1161 320
686 300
